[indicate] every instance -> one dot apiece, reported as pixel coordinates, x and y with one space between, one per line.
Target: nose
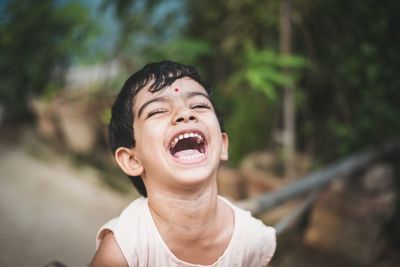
183 115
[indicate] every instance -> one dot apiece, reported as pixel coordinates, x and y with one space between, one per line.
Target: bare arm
109 254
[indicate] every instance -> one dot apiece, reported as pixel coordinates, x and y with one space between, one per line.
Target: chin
195 176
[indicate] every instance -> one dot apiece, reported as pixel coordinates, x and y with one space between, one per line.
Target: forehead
177 89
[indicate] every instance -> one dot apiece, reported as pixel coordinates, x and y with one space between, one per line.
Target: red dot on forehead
176 89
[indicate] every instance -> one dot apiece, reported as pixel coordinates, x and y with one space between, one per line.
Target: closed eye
155 111
201 106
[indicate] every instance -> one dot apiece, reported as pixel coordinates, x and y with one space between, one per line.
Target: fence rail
315 182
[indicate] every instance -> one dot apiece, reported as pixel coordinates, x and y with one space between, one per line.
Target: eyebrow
164 99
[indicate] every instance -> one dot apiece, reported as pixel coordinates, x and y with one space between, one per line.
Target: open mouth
188 146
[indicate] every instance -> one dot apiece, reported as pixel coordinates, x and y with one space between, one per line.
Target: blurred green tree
37 40
262 70
352 99
267 71
152 31
347 99
244 40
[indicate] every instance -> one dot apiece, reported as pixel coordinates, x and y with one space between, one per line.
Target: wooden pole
288 94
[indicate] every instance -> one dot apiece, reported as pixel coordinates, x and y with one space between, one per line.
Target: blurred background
300 84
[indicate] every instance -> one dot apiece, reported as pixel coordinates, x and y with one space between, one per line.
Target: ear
225 145
128 161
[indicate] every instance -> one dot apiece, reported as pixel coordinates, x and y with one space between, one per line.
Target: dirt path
50 211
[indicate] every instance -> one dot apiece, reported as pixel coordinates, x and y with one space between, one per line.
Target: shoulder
259 238
127 222
108 253
124 232
250 226
254 227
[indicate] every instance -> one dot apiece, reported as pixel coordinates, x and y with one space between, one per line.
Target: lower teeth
191 157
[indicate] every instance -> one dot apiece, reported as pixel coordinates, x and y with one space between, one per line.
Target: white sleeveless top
252 243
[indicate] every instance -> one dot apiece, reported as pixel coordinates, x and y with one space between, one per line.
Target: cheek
213 123
149 138
142 131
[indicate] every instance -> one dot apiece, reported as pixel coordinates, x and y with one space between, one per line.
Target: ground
49 209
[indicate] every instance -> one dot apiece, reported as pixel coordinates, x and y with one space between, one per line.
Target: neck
174 212
196 227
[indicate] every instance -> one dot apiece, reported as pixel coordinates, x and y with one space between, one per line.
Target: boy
168 138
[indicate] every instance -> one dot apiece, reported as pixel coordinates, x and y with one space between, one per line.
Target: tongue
185 153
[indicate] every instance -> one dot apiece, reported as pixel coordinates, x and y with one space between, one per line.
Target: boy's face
178 139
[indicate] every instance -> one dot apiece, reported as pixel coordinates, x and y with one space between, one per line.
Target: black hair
157 75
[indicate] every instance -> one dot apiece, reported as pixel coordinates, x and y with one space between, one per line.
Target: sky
108 28
109 25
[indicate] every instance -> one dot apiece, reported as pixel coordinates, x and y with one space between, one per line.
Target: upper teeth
187 135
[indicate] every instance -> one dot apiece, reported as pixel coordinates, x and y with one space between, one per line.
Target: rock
378 179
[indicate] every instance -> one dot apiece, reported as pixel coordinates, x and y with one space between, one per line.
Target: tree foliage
264 70
352 94
151 31
345 69
347 96
243 36
37 40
